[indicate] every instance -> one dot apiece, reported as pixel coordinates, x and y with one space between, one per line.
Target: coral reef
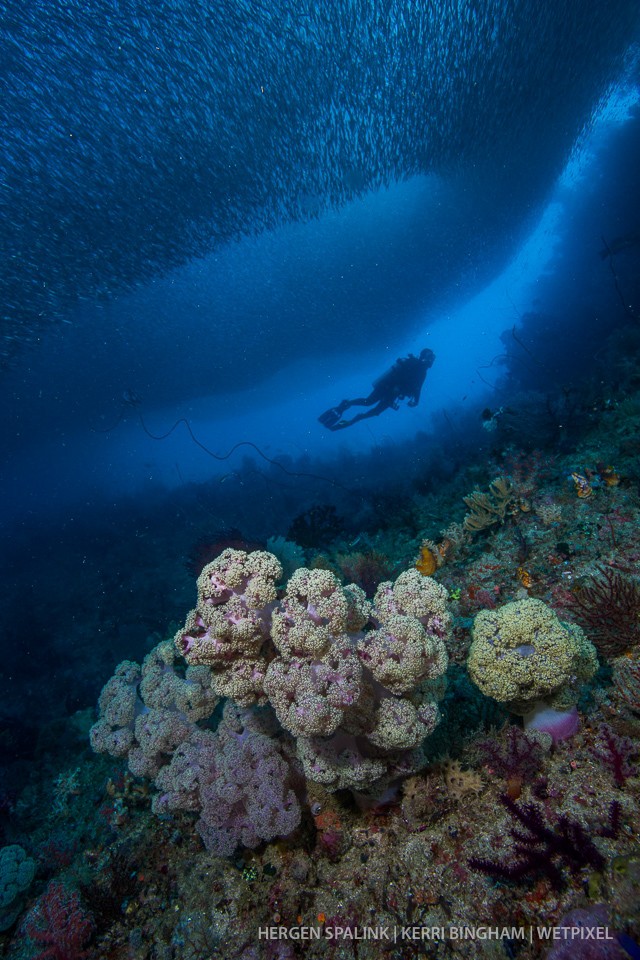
299 758
357 703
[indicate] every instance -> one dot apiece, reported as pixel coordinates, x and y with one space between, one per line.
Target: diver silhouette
404 379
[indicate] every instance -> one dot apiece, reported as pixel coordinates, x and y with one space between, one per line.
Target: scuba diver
404 379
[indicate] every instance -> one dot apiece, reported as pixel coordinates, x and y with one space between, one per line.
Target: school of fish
138 135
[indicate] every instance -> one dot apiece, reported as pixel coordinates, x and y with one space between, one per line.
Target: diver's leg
358 402
373 397
380 408
331 416
331 419
365 401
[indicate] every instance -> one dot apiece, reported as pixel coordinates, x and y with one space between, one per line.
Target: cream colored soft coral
315 609
402 654
522 653
416 596
251 575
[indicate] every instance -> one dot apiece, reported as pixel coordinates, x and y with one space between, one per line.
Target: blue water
240 214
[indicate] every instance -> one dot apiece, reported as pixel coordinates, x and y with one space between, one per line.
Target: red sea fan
609 611
60 925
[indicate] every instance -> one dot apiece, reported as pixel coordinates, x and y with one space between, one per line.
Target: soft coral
60 925
548 848
514 756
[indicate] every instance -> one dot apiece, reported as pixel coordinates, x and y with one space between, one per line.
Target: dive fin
330 417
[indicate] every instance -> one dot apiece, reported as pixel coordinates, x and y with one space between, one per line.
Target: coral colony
344 749
348 709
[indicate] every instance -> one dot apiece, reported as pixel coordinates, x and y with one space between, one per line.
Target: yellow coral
485 509
522 653
460 782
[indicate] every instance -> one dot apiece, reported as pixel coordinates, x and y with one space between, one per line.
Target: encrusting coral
460 782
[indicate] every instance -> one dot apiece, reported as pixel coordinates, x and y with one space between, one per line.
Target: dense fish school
136 136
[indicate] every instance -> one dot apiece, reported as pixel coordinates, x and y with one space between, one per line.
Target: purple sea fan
545 849
615 753
515 757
